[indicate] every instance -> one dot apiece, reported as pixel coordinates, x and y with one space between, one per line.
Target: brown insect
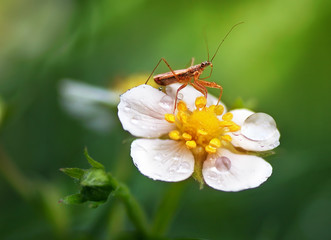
185 76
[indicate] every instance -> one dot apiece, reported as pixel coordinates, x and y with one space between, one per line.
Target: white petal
189 94
232 172
258 131
240 115
141 111
88 104
165 160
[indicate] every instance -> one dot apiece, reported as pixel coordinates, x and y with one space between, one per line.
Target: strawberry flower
200 138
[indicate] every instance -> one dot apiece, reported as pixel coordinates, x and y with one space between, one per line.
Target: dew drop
127 108
259 127
135 119
173 167
184 167
223 164
157 158
211 175
180 96
166 102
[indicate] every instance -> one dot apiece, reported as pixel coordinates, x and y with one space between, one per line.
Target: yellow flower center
202 127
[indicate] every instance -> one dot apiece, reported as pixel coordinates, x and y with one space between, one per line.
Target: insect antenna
206 42
223 41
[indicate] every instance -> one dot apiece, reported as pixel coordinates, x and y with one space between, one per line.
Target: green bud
96 184
92 162
73 199
76 173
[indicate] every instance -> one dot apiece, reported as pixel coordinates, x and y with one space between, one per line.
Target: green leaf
92 162
76 173
96 193
95 178
96 185
73 199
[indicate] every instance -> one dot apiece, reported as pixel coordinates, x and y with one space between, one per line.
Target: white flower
199 139
88 104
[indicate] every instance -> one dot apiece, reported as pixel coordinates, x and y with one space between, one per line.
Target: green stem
133 208
167 209
14 177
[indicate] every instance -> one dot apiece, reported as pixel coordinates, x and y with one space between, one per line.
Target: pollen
186 136
182 116
200 102
215 142
202 132
210 149
170 118
201 128
227 138
234 128
219 109
227 116
191 144
174 135
181 106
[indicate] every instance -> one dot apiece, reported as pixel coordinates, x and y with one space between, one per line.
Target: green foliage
96 185
280 57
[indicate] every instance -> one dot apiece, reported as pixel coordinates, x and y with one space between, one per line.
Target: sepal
75 173
96 185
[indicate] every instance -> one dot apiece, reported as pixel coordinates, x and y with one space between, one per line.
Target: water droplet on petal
223 164
135 119
127 108
211 175
157 158
259 127
180 96
166 102
184 167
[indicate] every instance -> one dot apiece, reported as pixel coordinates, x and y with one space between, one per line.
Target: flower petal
258 131
141 111
189 94
232 172
165 160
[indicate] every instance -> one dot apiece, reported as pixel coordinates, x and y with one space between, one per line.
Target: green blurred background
278 62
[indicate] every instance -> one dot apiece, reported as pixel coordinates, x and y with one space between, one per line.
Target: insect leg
162 59
176 98
208 75
200 88
212 85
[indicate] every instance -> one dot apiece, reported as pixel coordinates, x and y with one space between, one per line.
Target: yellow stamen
181 106
202 132
182 116
191 144
227 116
226 123
210 149
211 108
234 128
227 138
200 102
215 142
219 109
174 135
201 128
186 136
169 117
